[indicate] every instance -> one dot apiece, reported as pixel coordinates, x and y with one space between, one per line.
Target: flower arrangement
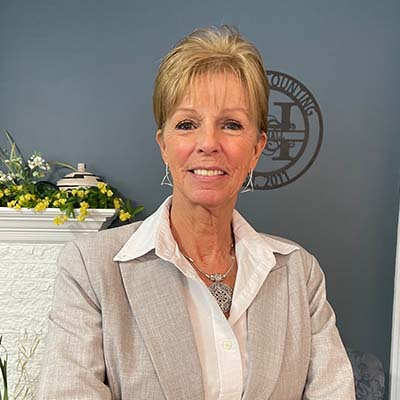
22 184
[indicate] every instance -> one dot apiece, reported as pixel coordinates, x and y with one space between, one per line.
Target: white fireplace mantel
30 244
28 226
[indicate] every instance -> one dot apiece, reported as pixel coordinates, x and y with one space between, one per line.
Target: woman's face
210 142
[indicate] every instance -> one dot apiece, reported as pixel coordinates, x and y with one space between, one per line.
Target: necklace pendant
223 294
216 277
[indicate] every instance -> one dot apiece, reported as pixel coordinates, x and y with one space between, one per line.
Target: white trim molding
28 226
395 348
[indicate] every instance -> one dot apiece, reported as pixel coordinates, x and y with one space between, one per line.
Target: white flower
45 167
4 177
35 161
16 160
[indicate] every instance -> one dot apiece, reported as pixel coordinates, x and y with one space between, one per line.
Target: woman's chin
211 199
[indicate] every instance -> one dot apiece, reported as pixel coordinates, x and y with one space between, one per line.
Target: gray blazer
122 331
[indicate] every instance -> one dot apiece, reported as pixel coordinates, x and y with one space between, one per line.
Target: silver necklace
221 291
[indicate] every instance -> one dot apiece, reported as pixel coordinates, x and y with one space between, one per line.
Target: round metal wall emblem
295 130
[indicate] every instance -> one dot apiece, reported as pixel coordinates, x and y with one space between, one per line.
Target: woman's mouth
207 172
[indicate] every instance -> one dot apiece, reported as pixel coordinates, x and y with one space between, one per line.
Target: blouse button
227 344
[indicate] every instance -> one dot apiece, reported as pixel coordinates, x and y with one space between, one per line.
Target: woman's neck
202 234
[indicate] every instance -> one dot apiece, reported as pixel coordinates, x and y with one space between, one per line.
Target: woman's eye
185 125
233 125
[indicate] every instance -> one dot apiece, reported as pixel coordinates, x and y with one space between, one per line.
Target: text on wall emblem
295 129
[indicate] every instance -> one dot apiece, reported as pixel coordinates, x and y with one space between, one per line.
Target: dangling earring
167 177
249 185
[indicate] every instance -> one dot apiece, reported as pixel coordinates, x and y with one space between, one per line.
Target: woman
193 303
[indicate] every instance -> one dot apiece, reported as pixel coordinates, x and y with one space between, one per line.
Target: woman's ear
258 149
161 144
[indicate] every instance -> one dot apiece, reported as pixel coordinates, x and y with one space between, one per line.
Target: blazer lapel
155 292
267 323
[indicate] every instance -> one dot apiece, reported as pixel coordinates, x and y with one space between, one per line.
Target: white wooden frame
395 348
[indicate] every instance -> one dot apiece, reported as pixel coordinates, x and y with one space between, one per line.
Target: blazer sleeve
330 375
73 364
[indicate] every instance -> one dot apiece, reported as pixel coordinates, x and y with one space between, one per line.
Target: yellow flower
7 192
83 211
81 217
42 205
84 205
11 203
28 196
109 193
39 207
1 194
56 203
123 216
81 193
74 191
117 203
17 207
62 201
102 186
60 219
22 199
58 195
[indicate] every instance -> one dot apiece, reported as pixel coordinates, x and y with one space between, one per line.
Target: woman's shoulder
89 258
105 243
279 239
290 253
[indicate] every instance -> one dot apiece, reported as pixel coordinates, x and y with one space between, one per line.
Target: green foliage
21 185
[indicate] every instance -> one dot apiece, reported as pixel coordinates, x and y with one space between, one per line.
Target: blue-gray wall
76 82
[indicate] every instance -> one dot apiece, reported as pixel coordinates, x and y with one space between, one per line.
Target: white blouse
221 342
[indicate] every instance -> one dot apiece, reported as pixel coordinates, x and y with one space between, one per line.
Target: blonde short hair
211 50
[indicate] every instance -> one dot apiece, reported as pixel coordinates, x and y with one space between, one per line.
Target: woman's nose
209 140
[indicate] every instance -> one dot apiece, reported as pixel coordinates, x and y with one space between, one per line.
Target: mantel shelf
26 225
